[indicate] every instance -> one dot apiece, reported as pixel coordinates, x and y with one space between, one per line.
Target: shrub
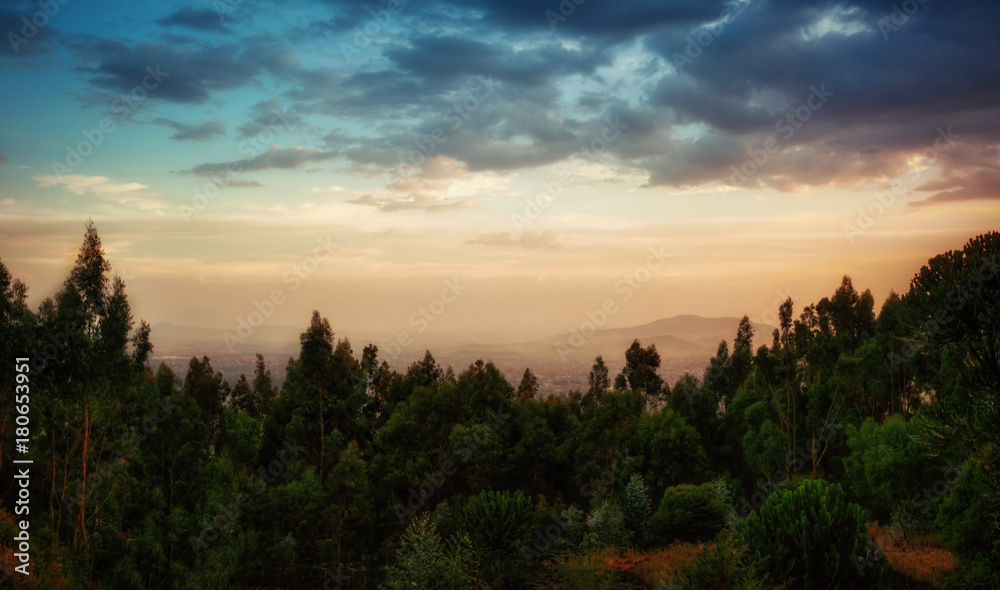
424 561
886 465
637 508
724 565
499 524
688 513
606 522
812 537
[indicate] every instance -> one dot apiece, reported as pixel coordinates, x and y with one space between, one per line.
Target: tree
953 331
699 408
598 381
263 389
640 372
528 388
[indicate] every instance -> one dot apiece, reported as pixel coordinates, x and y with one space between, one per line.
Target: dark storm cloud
21 37
441 60
613 20
186 75
710 83
895 80
428 74
270 115
200 132
199 19
275 157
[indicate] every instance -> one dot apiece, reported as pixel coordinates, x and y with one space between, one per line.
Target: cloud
187 75
79 184
3 158
200 132
411 202
198 19
21 38
131 194
892 89
529 240
981 185
232 183
269 116
275 157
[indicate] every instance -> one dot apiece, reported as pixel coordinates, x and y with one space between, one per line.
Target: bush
688 513
607 525
812 538
424 561
968 524
724 565
885 465
499 524
637 508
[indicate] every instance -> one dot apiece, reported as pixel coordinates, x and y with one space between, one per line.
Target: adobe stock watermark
424 316
769 316
698 42
248 148
125 105
565 9
900 15
427 146
38 21
224 520
797 460
626 288
595 489
337 579
264 308
884 199
364 35
461 452
552 190
129 443
955 298
923 500
785 127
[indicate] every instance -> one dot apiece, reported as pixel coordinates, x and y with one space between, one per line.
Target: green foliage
498 524
496 521
637 508
640 372
886 466
811 537
606 525
726 564
671 450
425 562
764 450
156 480
698 407
968 519
688 513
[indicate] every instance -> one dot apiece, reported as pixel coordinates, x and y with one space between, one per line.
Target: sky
494 168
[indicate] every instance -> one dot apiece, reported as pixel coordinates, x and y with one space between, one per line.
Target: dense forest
853 438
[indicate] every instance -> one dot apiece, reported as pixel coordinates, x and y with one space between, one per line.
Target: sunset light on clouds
536 150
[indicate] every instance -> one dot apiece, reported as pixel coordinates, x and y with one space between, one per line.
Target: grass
613 568
926 561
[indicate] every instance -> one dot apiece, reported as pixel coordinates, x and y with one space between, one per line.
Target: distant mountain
685 343
169 337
